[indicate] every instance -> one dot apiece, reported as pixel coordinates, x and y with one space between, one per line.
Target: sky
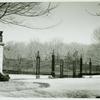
70 23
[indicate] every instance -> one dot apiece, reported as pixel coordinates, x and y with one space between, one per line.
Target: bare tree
93 51
94 13
26 9
96 35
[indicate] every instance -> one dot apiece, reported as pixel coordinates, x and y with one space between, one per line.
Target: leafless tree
26 9
94 13
93 51
96 35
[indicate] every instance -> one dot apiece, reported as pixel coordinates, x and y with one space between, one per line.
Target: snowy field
28 86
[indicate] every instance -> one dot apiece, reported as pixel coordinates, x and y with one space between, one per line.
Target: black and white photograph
50 49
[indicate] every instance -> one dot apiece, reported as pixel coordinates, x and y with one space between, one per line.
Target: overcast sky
74 24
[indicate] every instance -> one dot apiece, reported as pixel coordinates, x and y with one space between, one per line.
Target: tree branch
27 9
40 28
5 11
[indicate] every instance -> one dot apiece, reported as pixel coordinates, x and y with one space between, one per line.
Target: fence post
81 64
53 64
38 66
90 67
61 68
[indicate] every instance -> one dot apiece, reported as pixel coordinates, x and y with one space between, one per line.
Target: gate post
3 77
81 64
90 67
61 68
74 69
53 65
38 66
1 52
85 68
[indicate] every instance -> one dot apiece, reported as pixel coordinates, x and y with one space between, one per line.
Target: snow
18 76
28 86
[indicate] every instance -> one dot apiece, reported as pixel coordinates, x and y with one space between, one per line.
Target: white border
49 0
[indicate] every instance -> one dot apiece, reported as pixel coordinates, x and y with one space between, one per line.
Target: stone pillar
1 52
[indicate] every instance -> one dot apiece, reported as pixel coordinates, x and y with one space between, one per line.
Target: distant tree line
13 50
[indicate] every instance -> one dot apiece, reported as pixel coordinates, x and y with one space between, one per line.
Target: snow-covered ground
29 86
